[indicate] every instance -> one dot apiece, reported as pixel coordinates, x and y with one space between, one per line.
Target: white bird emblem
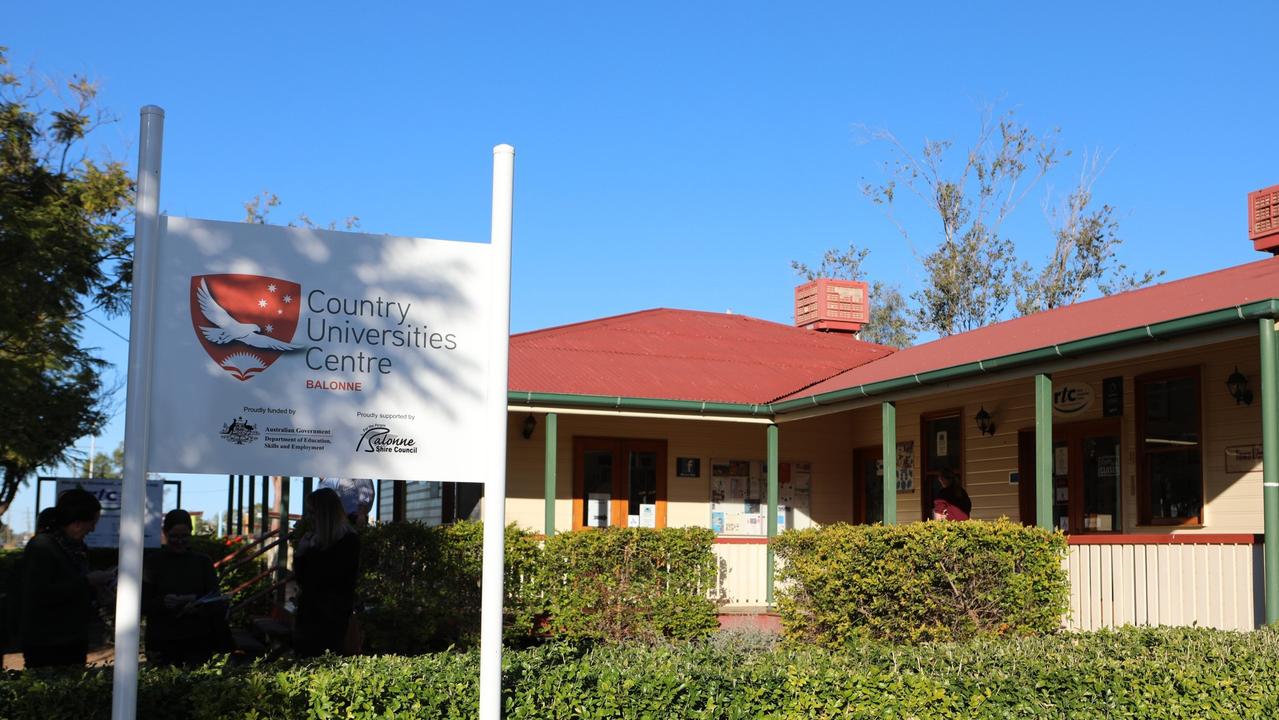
228 329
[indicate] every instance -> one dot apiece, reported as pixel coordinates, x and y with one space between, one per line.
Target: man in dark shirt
185 612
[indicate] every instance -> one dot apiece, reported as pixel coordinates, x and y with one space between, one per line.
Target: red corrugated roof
1217 290
681 355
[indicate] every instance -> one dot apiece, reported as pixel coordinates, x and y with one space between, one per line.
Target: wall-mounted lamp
985 423
530 424
1237 384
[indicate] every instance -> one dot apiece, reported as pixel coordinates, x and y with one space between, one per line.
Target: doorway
619 483
1086 491
868 486
941 452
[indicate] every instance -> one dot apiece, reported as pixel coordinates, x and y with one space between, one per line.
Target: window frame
620 449
1144 515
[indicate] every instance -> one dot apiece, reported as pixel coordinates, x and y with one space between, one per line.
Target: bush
920 582
1133 673
421 585
629 583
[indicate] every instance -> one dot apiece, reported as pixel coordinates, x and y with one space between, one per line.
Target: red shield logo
245 322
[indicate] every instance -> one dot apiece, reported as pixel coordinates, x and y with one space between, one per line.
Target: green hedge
1165 673
629 583
420 585
921 582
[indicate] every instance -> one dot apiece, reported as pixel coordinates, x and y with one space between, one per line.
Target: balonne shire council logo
239 431
245 322
379 438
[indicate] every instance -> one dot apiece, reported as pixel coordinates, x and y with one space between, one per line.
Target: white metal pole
128 599
495 481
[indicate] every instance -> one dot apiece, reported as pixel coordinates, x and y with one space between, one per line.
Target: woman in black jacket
57 587
326 564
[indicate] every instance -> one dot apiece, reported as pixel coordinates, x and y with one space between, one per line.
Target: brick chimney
1263 219
837 306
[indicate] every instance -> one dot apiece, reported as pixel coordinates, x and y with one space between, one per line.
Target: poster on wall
739 496
906 466
315 353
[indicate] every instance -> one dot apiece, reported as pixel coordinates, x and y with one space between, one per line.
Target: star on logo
287 299
261 303
270 327
270 288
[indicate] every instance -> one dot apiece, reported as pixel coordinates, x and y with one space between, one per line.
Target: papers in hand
211 598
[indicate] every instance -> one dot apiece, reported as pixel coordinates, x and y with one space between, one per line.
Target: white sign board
107 531
1072 398
288 351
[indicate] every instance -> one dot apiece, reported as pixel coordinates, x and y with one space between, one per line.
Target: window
1169 448
619 483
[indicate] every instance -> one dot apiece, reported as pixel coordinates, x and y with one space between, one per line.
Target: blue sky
671 154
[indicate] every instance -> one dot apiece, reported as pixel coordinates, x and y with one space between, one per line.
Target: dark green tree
103 465
64 253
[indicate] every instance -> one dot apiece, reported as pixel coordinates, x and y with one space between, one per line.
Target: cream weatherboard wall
1232 501
688 499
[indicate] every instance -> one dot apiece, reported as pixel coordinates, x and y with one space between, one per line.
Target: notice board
739 496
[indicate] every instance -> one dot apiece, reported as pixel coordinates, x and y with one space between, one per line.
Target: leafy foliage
258 210
919 582
63 252
616 584
421 584
973 274
1083 257
104 465
1132 673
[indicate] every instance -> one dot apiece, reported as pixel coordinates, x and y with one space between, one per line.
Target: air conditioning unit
832 305
1263 219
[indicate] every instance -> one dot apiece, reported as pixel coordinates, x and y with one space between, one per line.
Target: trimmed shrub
920 582
615 584
421 585
1133 673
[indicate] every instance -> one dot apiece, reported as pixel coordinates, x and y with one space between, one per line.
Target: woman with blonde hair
326 564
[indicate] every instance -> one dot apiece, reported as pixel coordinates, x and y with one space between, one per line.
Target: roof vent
835 305
1263 219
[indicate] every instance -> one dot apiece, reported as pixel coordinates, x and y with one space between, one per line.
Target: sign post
128 604
259 350
495 482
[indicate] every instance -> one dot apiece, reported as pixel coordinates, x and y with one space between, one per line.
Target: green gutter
1109 341
611 402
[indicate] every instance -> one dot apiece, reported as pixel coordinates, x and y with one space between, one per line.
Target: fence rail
742 571
1204 580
